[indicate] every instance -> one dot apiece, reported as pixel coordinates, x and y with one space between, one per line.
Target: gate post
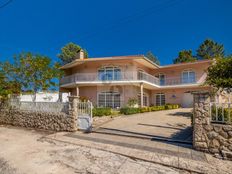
73 112
201 119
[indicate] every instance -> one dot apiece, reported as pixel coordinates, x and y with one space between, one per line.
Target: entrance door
187 101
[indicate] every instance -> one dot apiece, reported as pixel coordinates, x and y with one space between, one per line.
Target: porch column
77 91
141 94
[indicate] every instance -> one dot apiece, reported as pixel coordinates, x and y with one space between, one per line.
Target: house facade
113 81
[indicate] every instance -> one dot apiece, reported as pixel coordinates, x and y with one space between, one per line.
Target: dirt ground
24 151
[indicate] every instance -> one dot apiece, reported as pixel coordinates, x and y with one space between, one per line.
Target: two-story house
112 81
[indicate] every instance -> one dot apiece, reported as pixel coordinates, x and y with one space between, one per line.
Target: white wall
45 97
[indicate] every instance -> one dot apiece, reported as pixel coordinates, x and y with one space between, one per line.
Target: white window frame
145 95
160 98
188 80
158 76
113 68
113 93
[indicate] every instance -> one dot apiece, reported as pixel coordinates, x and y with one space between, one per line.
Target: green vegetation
7 87
185 56
102 112
69 53
29 72
152 57
132 102
221 113
209 49
130 110
219 75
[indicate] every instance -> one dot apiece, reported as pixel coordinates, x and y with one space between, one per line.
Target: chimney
81 54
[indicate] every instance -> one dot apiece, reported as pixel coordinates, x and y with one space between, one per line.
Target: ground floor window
109 99
160 99
145 99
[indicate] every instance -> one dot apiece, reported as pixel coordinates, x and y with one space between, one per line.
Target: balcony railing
95 77
130 76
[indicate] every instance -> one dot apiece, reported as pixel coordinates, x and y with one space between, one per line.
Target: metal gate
84 117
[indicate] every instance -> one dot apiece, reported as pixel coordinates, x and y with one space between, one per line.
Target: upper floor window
188 76
161 78
109 73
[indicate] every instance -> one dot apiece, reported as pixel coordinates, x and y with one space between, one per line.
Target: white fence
56 107
44 97
221 112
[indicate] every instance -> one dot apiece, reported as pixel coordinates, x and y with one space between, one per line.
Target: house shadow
182 114
183 137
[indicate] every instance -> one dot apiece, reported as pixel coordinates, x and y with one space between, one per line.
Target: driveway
173 125
26 151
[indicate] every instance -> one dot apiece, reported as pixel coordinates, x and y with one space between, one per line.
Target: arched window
188 76
160 99
109 99
109 73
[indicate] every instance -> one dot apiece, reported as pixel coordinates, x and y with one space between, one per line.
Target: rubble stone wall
207 136
42 120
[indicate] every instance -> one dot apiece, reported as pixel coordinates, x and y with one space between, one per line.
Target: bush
171 106
226 112
132 102
102 112
128 110
131 110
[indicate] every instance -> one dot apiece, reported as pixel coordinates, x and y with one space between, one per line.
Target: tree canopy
184 56
7 87
152 57
219 75
69 53
210 49
32 72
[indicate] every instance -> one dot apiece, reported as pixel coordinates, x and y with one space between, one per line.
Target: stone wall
41 120
207 136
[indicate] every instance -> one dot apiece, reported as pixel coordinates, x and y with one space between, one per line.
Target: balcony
109 77
127 77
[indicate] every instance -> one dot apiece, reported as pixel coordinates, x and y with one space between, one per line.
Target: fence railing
56 107
221 112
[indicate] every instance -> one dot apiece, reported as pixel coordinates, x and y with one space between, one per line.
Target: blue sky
111 28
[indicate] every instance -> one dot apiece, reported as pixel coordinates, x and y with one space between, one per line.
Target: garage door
187 101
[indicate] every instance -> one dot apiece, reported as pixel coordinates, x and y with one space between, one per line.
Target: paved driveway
173 125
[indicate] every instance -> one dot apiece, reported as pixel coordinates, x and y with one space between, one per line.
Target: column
141 94
77 91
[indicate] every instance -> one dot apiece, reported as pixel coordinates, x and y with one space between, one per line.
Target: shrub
132 110
102 112
226 112
128 110
144 109
132 102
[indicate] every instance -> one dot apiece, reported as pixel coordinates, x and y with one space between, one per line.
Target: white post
77 91
141 94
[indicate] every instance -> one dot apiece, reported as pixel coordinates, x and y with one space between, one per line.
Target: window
161 78
145 99
109 99
188 76
160 99
109 73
